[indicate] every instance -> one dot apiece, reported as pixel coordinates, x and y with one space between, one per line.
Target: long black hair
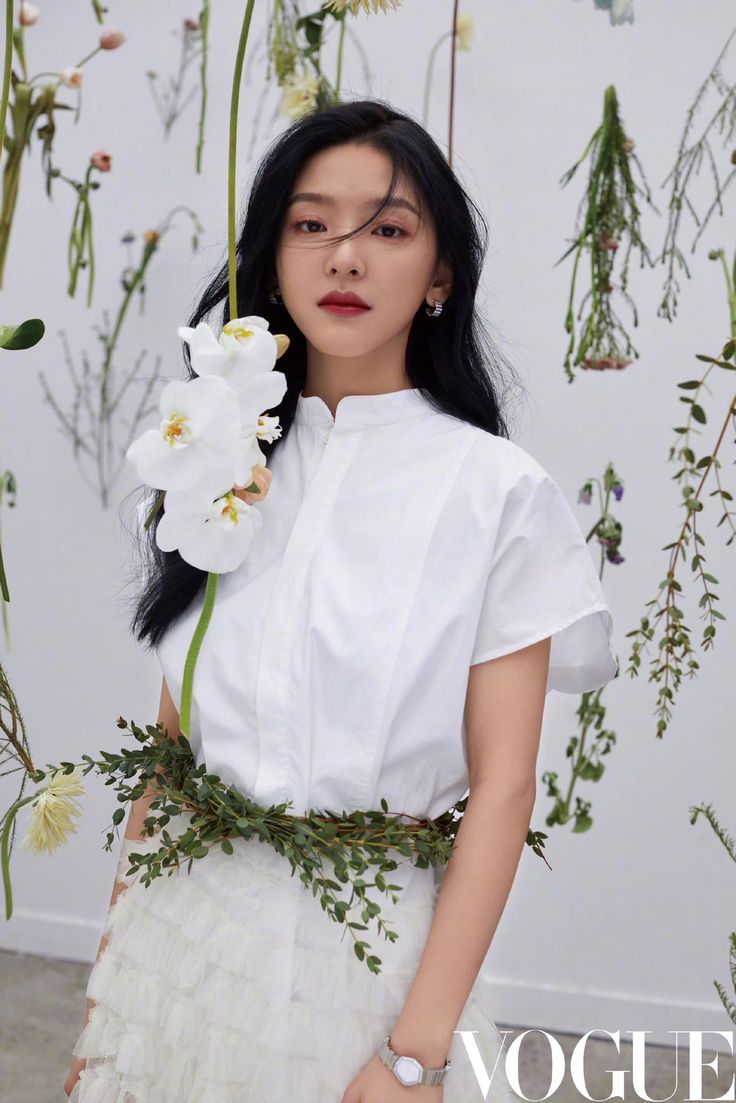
451 358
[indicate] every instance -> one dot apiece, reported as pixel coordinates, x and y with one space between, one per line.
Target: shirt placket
284 621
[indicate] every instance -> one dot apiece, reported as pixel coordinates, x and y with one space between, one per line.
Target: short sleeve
543 582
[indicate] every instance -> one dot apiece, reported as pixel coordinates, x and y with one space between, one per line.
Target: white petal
218 546
262 392
158 464
248 454
254 320
256 353
206 353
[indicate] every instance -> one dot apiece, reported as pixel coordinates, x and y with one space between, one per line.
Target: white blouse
399 546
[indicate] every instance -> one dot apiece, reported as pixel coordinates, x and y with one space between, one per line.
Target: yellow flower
370 7
464 28
52 811
300 95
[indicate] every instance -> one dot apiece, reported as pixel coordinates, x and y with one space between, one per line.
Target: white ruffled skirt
230 984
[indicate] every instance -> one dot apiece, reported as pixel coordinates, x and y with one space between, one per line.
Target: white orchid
261 393
211 535
244 349
198 437
206 447
244 356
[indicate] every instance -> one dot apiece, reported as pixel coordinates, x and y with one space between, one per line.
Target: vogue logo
618 1076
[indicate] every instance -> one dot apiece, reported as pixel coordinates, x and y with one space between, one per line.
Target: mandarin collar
356 410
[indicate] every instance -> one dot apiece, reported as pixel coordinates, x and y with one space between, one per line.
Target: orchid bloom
211 535
245 348
198 438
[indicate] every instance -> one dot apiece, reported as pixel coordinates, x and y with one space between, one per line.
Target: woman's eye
316 222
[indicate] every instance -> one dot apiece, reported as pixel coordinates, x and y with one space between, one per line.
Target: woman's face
392 264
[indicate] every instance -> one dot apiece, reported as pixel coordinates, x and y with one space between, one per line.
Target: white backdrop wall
631 926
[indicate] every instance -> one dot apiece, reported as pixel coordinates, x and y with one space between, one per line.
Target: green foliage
329 849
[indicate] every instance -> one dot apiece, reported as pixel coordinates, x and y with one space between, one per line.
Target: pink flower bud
101 160
71 76
27 14
111 39
261 476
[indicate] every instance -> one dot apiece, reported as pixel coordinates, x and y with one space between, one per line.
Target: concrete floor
43 1008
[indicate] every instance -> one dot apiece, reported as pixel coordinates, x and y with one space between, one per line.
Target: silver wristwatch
408 1070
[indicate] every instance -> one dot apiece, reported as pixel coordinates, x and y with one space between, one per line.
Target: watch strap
427 1076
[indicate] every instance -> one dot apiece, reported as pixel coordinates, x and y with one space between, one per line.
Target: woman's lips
348 311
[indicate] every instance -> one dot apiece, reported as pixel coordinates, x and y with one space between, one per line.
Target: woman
418 584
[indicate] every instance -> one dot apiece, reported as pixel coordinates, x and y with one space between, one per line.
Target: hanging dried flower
300 95
52 811
605 363
370 7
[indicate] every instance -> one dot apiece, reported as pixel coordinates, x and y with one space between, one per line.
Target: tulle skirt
230 984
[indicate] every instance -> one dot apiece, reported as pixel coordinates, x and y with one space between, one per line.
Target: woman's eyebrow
317 197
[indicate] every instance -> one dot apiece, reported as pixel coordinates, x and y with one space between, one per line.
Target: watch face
408 1070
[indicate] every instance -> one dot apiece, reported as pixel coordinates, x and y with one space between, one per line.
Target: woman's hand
377 1084
78 1064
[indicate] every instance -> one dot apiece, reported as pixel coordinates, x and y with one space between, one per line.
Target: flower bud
71 76
28 14
111 38
261 476
101 160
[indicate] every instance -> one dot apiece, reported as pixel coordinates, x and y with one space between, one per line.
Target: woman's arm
503 714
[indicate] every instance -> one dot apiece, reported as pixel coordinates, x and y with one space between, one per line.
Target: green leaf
23 336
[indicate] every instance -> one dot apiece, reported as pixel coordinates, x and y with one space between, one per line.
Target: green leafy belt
353 843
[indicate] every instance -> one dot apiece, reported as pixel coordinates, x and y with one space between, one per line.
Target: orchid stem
185 709
231 166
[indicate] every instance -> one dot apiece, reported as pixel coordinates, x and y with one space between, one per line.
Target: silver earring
434 312
274 296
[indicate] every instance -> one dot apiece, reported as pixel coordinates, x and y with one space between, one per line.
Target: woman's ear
441 287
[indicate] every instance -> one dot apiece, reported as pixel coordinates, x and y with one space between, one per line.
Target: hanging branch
99 430
675 658
687 166
586 751
611 216
708 812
